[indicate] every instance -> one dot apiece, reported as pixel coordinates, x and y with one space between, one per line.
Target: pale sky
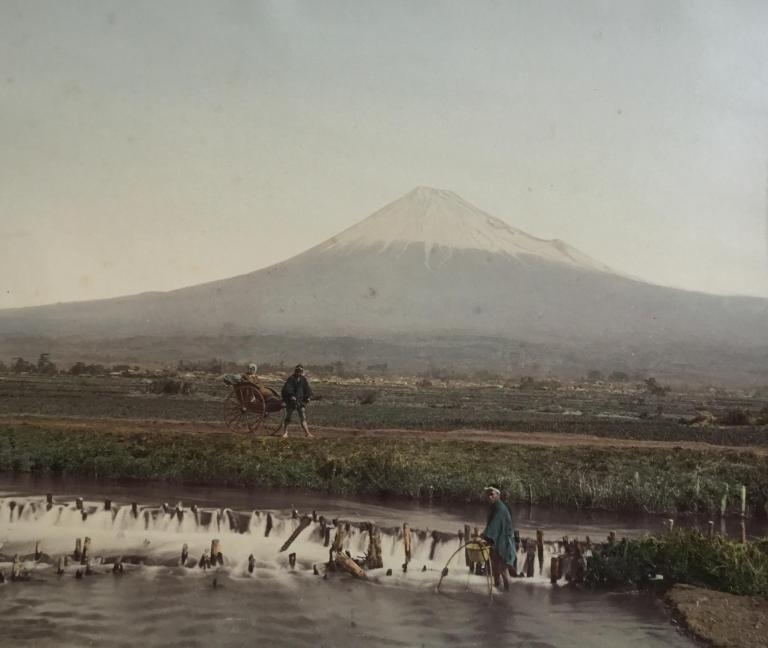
153 145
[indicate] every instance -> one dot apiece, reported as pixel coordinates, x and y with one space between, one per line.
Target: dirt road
480 436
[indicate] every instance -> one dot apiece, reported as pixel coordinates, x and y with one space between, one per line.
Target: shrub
684 556
369 397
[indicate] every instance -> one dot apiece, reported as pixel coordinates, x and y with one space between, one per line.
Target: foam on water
154 537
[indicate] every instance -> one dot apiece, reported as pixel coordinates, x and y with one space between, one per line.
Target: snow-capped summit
433 266
440 219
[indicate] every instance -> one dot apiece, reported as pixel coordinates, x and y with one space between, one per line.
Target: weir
42 533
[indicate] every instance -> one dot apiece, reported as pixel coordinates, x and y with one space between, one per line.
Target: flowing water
158 602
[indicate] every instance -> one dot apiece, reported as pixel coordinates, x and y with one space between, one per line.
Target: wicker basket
478 552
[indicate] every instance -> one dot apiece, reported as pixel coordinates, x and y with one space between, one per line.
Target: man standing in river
296 394
498 533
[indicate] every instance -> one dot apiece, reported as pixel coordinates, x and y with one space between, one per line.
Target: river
159 603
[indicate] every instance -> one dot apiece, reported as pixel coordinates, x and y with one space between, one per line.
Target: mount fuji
430 265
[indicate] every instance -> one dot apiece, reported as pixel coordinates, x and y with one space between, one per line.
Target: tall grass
649 480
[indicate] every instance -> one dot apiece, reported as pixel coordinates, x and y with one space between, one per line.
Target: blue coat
499 532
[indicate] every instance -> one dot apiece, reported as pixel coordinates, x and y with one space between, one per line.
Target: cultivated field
344 407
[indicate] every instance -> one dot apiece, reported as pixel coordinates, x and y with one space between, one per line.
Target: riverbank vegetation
683 556
610 478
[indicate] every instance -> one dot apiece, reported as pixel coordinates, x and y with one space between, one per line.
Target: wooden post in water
79 503
60 566
269 525
407 545
327 536
292 560
216 555
86 548
49 501
251 564
466 552
107 504
374 559
540 549
78 553
554 569
345 563
184 555
134 509
530 560
433 546
305 520
38 553
338 540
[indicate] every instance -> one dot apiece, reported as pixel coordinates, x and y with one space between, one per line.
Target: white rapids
151 538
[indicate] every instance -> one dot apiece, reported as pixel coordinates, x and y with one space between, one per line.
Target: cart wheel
244 409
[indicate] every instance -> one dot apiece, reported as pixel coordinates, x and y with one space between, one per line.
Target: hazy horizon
149 146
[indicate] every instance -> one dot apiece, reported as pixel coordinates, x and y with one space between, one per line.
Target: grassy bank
683 556
632 479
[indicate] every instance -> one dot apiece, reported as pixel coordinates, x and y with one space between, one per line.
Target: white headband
493 489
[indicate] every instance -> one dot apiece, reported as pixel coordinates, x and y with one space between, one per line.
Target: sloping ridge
428 263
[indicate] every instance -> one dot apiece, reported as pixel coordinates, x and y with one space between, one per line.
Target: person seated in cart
296 394
498 533
251 377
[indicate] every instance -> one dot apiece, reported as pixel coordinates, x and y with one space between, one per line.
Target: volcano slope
428 267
